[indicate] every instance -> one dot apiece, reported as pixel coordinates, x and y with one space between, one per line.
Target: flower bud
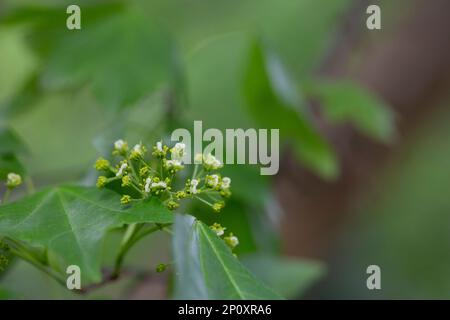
13 180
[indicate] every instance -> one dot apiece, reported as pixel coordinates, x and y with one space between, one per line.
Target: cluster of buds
231 240
142 175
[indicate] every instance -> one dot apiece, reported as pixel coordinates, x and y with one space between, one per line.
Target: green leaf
101 55
219 103
274 103
44 21
71 221
6 294
10 163
345 101
24 99
289 277
10 142
206 267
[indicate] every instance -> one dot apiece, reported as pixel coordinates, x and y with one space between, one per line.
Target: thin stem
204 201
25 254
195 171
30 185
150 168
131 240
137 189
168 230
6 195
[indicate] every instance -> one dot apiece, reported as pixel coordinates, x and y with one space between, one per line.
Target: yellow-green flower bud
144 171
180 195
218 206
232 241
102 181
172 205
120 147
101 164
126 181
13 180
226 193
126 199
161 267
218 229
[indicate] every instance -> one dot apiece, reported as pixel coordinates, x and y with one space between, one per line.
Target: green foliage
345 101
288 276
206 268
11 145
10 141
10 163
274 103
80 58
72 221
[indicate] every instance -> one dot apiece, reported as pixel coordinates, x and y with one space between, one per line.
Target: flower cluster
143 175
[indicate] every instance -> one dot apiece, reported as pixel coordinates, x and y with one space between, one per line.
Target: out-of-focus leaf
301 31
274 103
218 100
206 268
288 276
10 146
10 142
345 101
25 97
46 24
72 221
6 294
10 163
17 63
101 55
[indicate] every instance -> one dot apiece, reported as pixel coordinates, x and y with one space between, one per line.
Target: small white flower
193 186
212 181
178 151
159 185
13 180
138 149
159 146
119 145
198 158
122 169
147 185
225 183
211 163
218 229
231 240
174 164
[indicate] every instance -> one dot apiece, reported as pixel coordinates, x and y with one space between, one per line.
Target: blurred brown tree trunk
409 68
